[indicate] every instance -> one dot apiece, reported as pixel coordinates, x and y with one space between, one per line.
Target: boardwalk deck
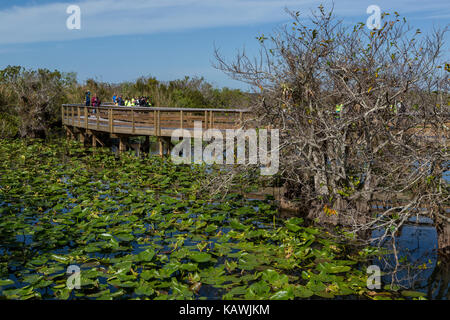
138 121
125 122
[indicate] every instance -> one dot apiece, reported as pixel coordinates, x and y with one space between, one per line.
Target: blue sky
121 40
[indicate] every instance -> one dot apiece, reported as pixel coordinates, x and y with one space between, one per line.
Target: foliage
182 93
138 230
30 100
9 125
389 140
35 97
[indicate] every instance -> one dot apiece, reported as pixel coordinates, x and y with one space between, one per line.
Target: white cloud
121 17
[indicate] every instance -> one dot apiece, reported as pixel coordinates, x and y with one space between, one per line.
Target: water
419 266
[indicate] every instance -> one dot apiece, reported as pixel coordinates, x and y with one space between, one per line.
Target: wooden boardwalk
123 122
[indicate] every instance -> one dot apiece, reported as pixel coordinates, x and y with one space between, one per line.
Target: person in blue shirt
88 99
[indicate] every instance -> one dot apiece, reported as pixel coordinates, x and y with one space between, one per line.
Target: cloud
100 18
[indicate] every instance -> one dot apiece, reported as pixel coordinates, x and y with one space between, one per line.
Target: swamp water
139 229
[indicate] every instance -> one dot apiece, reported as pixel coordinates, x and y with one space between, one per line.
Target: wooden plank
86 117
159 122
211 124
111 121
97 113
134 125
141 120
181 119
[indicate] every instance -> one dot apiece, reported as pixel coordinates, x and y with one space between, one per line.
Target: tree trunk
443 231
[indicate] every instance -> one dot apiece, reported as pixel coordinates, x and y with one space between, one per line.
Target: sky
122 40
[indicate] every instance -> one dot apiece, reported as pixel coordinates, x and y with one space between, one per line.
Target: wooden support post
160 143
96 141
70 133
146 146
81 136
123 143
79 117
206 119
67 132
211 120
167 143
72 108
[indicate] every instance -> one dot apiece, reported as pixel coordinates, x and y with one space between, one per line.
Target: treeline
30 100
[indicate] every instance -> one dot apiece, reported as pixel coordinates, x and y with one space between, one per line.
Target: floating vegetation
138 229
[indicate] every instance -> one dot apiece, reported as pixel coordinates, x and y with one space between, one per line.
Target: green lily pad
200 256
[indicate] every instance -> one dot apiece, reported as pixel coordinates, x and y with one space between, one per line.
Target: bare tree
389 142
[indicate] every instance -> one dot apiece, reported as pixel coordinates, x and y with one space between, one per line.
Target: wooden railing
148 120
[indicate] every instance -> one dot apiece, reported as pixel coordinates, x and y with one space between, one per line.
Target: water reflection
417 256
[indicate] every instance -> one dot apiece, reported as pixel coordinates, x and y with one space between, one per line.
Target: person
339 110
95 101
120 101
142 102
88 98
115 98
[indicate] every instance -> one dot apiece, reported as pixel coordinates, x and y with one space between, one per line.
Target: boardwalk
123 122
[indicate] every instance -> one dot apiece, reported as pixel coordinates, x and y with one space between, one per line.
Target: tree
36 97
393 90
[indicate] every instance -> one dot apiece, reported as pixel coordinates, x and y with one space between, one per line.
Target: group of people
132 102
118 101
94 102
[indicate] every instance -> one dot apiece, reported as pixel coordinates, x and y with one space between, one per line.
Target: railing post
132 119
181 119
154 122
97 112
159 122
111 121
86 115
79 116
206 119
211 117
